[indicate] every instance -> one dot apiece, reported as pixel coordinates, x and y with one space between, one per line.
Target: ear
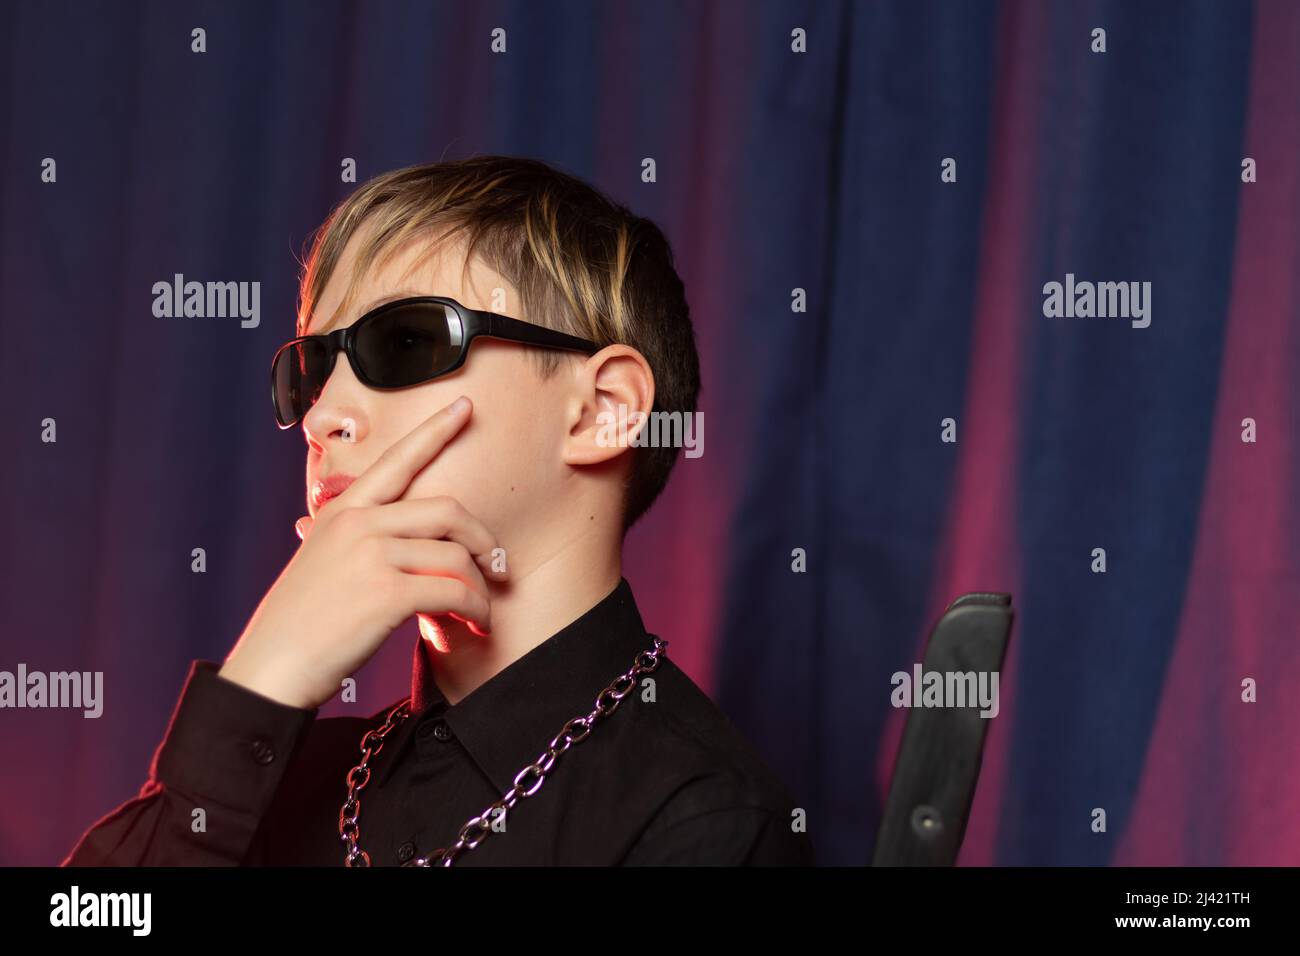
613 393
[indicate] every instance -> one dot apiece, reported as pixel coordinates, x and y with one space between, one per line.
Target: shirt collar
506 722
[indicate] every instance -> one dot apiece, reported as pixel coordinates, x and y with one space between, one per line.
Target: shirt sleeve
691 831
211 782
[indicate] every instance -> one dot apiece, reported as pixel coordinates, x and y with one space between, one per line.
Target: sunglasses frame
473 324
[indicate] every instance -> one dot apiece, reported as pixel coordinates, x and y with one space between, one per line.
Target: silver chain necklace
575 731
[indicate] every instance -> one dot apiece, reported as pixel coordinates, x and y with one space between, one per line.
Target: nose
339 414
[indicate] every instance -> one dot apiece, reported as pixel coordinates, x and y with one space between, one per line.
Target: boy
545 726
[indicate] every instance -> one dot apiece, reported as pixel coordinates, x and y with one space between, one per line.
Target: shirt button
441 730
263 752
405 852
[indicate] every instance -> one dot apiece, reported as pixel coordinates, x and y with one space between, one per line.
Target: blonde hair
580 263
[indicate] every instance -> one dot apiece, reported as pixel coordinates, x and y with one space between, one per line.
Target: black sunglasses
397 345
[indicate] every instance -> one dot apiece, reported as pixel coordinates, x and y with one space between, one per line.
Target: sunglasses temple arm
504 327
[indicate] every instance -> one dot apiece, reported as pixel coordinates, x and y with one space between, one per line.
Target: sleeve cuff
227 743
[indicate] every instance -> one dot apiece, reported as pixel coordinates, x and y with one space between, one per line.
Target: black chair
939 758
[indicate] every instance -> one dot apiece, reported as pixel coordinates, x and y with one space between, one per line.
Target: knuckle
446 504
458 592
387 588
371 551
465 561
349 521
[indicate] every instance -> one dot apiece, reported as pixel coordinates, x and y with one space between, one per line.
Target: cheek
500 476
470 469
505 444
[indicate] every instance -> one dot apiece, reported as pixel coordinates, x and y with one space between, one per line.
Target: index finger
387 479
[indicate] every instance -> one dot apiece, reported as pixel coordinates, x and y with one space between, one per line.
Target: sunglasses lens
297 377
409 344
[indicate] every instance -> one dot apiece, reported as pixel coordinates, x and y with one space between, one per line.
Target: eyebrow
374 304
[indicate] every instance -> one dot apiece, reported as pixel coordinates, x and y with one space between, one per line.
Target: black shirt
665 779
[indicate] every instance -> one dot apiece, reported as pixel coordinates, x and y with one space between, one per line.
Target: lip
327 488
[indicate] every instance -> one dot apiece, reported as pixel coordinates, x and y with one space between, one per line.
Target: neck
539 599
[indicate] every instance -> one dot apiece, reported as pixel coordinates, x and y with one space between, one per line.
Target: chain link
476 829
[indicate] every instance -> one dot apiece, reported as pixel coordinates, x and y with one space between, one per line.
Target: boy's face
506 463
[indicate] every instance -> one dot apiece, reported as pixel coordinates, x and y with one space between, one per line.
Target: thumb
303 526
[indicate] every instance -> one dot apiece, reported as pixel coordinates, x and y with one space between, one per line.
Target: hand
368 562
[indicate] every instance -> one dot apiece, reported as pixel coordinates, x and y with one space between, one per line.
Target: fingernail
301 527
460 406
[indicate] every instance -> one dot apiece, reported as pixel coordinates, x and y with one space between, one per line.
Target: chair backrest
938 762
